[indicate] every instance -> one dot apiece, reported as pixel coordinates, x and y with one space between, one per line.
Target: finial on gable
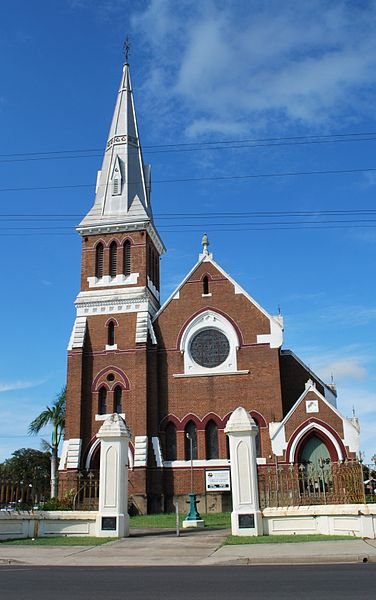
205 244
205 255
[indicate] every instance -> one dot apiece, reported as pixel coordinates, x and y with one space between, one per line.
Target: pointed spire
123 184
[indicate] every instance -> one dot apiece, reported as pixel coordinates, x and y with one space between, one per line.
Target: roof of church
123 184
276 321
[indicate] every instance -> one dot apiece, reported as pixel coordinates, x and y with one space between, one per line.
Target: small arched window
257 440
190 441
113 259
117 399
102 401
205 285
211 440
111 333
99 261
170 441
127 258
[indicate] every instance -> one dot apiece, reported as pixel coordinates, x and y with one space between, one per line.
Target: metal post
189 437
276 478
177 517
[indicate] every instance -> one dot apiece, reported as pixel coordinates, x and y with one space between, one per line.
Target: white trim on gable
274 338
316 426
176 293
350 431
310 387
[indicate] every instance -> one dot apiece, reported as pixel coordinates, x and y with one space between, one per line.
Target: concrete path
193 548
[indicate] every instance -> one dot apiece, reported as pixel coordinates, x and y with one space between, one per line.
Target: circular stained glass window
209 348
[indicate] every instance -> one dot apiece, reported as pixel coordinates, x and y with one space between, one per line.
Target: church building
175 372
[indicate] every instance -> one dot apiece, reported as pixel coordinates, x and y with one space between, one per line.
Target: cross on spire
126 48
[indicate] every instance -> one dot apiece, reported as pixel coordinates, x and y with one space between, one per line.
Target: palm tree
53 415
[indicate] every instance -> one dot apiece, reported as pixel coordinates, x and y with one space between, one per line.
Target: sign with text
218 480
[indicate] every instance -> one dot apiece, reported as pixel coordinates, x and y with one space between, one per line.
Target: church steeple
123 184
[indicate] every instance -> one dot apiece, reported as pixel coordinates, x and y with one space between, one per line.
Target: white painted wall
18 525
356 520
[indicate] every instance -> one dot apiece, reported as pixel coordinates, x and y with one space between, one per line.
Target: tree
27 464
53 415
26 476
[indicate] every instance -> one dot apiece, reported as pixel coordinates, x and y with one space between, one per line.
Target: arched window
127 258
99 261
211 440
190 441
111 333
113 259
209 343
117 399
257 440
102 401
170 437
205 285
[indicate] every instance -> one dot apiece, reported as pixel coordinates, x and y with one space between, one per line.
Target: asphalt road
312 582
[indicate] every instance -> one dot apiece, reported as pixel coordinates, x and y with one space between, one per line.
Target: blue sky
298 77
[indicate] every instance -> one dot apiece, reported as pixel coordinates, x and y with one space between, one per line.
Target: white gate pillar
113 518
246 518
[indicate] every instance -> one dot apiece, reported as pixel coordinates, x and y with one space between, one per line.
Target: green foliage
59 541
65 503
52 415
28 466
168 520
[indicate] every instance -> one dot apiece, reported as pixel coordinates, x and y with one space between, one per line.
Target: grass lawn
284 539
60 541
161 521
164 520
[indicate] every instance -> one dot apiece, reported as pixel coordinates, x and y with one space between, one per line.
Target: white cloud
20 385
345 368
353 361
225 65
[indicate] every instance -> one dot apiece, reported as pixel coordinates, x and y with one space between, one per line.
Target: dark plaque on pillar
246 521
108 523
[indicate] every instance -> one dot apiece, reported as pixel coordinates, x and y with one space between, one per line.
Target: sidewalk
193 548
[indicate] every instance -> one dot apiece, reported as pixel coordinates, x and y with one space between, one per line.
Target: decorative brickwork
159 361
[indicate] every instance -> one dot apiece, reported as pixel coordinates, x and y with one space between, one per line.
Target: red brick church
176 372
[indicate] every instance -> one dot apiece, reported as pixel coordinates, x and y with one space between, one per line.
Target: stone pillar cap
114 426
240 420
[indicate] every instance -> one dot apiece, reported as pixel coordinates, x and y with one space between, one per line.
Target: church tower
111 351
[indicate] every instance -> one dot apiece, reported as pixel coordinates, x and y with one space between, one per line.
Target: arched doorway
314 452
315 469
